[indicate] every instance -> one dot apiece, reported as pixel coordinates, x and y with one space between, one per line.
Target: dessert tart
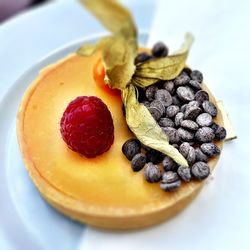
114 168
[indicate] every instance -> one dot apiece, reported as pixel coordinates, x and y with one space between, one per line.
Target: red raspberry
87 126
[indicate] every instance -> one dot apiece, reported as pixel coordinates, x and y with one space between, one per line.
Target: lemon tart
101 191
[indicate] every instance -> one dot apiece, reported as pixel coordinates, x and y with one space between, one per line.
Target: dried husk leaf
166 68
120 50
145 128
118 59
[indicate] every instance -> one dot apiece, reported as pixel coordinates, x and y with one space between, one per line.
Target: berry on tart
87 126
